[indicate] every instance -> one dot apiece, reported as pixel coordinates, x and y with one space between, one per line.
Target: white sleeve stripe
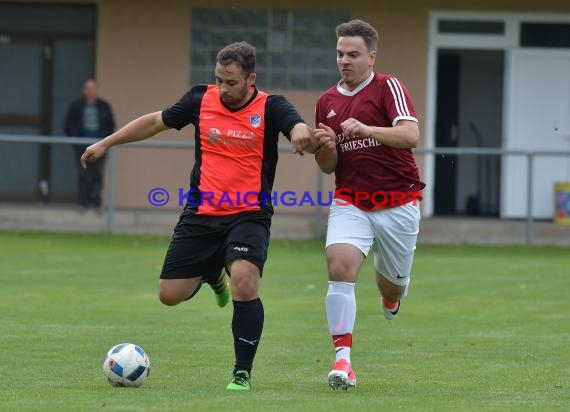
403 110
396 102
403 96
397 119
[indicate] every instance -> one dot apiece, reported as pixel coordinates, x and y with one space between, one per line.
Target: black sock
247 325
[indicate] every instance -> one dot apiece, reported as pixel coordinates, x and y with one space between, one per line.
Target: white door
538 118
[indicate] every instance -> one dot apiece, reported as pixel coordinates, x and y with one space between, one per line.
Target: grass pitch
483 329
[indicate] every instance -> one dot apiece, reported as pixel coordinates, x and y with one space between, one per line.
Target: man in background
89 117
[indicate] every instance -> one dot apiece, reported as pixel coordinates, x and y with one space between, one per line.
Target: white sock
340 307
341 314
342 352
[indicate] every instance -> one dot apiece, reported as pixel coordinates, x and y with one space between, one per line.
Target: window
471 27
46 18
545 35
294 49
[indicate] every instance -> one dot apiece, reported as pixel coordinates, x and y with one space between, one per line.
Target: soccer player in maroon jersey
237 128
368 125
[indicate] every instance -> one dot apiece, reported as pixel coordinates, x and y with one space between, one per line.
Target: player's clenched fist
302 139
353 128
93 153
326 137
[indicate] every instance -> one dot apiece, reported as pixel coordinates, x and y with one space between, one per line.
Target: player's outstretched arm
326 155
139 129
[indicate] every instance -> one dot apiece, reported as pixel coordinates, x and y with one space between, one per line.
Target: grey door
538 119
20 113
47 52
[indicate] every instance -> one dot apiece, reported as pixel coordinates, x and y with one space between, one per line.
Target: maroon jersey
369 174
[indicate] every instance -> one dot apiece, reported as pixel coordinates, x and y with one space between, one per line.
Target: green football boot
223 297
240 381
221 288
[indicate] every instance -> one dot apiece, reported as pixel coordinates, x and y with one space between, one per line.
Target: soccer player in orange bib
368 125
237 128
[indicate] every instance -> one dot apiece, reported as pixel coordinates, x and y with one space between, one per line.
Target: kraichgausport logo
341 197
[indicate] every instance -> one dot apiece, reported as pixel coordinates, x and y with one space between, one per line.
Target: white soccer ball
126 365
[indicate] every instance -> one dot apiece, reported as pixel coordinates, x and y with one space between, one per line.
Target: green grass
483 329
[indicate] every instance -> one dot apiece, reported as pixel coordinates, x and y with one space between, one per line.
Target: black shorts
203 245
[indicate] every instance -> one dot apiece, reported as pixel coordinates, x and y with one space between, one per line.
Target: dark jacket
74 118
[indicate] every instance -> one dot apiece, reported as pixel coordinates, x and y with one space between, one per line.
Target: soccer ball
126 365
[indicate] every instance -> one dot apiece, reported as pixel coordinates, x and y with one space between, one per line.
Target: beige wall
143 65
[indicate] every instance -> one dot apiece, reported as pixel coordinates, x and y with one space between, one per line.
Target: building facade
481 74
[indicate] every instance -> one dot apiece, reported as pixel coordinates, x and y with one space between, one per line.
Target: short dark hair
359 28
240 53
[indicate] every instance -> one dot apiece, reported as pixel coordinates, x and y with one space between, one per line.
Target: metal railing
530 156
284 148
111 166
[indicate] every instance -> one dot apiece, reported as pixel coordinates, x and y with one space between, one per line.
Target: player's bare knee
245 295
340 272
244 290
244 280
245 286
168 298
